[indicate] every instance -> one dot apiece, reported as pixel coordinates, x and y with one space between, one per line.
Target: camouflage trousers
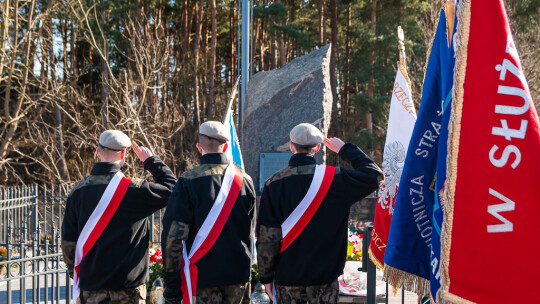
135 295
231 294
316 294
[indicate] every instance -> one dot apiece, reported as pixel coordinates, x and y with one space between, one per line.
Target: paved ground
53 293
408 298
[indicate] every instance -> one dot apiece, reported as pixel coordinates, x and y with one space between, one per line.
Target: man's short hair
304 149
210 144
103 151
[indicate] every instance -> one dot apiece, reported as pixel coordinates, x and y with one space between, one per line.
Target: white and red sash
105 209
210 230
302 214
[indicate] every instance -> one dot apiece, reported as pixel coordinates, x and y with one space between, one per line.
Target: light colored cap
306 135
114 140
215 130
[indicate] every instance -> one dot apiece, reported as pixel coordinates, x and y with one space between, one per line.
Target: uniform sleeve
154 195
268 245
70 234
176 225
268 238
252 203
251 198
353 185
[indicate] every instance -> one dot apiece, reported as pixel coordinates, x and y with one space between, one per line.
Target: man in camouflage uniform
307 270
115 269
223 272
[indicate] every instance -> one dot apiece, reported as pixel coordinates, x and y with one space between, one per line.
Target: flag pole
231 99
402 65
401 47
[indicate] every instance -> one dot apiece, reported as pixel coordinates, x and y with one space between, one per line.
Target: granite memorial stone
278 100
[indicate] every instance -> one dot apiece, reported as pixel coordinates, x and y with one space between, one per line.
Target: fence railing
31 262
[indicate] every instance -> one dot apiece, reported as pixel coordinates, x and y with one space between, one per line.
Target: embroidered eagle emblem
392 167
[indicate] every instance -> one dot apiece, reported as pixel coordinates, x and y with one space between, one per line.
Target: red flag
401 121
490 231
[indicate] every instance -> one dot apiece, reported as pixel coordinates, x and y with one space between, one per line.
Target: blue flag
447 84
233 152
407 257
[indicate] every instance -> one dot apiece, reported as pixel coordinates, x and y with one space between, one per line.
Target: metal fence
31 262
31 267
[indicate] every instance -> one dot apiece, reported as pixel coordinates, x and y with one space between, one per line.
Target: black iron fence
31 262
31 267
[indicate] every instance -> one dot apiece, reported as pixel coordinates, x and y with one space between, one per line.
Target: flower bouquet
354 246
155 284
156 266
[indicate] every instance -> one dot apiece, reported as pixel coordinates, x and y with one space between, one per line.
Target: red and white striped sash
210 230
105 209
302 214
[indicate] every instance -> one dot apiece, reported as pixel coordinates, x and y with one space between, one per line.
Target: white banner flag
400 127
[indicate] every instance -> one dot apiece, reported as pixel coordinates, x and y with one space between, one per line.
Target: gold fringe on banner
373 258
405 280
454 129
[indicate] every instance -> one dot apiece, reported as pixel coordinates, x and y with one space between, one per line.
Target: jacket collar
214 158
302 159
104 168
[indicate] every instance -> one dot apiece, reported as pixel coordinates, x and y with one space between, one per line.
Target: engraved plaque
271 163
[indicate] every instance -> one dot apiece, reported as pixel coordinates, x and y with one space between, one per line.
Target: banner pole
231 99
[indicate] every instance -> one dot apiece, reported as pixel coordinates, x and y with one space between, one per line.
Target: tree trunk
282 53
104 80
186 31
4 31
104 94
371 84
8 136
212 65
232 30
345 109
281 44
59 133
333 78
262 40
273 51
199 8
321 22
325 16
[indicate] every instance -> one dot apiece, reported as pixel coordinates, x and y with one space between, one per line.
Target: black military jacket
317 255
228 261
119 258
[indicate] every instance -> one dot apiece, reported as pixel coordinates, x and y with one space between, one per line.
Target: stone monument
278 100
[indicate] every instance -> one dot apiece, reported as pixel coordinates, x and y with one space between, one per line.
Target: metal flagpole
245 58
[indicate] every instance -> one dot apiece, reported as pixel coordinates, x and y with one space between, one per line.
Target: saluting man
302 224
105 229
207 226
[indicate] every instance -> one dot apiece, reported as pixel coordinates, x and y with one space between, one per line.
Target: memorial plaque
271 163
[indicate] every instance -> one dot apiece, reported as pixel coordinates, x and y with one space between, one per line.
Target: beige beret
215 130
306 135
114 140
